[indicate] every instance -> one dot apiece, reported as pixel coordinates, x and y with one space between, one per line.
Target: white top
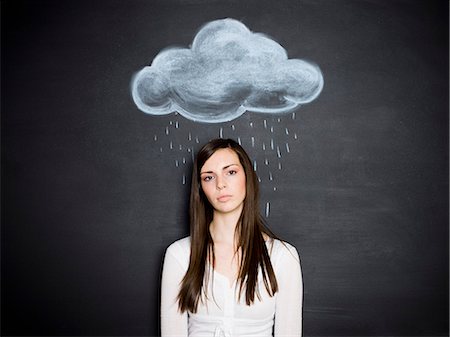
222 315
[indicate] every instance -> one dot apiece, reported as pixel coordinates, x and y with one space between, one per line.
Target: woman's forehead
220 159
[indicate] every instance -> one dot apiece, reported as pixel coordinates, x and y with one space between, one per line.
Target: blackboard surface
94 190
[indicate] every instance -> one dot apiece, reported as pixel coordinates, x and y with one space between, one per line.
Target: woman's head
222 165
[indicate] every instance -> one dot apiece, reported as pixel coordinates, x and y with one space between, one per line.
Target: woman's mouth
224 198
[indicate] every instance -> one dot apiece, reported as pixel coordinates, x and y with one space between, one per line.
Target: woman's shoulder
280 245
179 251
282 250
181 245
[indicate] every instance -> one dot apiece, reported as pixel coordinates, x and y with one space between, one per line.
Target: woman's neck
223 227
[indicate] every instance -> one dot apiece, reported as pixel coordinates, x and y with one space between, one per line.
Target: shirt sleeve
289 302
173 323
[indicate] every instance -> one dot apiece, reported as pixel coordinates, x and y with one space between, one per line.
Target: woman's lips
224 198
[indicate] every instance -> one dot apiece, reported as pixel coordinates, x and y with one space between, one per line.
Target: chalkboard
94 189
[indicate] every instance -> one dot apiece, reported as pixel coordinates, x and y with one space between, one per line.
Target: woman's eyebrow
224 168
206 172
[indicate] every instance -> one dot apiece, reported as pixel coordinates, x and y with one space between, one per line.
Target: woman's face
223 181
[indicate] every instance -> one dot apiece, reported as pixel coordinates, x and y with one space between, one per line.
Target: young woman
231 276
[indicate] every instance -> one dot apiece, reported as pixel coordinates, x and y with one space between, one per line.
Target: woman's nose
220 183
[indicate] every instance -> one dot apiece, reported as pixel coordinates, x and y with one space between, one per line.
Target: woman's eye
232 172
207 178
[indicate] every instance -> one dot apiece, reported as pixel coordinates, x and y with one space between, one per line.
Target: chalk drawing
227 71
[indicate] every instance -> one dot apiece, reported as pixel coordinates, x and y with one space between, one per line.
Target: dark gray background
89 201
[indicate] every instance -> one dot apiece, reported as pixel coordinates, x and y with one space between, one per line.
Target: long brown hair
249 232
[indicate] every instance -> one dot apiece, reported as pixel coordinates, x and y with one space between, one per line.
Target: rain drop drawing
228 71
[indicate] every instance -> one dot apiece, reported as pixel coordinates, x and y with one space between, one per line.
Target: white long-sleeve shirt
222 315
